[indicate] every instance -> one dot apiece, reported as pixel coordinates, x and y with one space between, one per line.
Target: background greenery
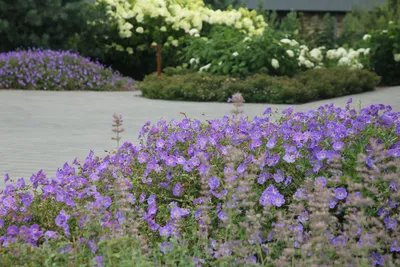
83 27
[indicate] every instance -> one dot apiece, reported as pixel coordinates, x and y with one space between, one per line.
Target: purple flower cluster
164 174
57 70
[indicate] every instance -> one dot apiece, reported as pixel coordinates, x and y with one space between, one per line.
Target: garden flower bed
317 187
57 70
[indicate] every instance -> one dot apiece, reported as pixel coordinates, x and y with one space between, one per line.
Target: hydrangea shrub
168 22
317 187
57 70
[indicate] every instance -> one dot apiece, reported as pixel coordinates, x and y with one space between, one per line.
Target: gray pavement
43 130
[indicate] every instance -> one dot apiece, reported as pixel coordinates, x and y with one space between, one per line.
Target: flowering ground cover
317 187
57 70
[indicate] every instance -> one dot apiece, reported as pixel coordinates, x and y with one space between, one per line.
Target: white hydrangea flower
361 51
290 53
205 68
366 37
286 41
235 54
127 26
342 52
192 61
344 61
275 63
163 29
332 54
193 32
175 43
304 47
140 17
359 65
294 43
308 64
220 63
129 50
140 30
396 57
316 54
352 54
246 39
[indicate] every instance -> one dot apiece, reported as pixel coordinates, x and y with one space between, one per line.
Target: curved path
43 130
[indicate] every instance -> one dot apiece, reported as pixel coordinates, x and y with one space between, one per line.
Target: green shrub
39 23
334 82
385 45
305 87
230 52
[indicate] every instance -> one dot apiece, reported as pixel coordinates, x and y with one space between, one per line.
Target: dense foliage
307 86
385 58
54 70
39 23
228 52
317 187
231 41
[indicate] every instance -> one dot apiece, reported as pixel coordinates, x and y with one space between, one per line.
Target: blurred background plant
120 34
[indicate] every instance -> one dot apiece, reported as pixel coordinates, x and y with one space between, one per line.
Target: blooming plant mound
170 22
317 187
57 70
189 16
228 52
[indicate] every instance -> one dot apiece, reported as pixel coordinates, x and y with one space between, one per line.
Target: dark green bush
334 82
307 86
39 23
384 46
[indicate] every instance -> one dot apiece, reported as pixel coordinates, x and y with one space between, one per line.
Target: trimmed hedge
307 86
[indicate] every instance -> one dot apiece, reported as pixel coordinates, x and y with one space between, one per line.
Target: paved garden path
43 130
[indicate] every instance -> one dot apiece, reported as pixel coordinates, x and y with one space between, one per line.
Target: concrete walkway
43 130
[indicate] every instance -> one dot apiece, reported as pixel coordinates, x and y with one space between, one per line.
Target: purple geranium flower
98 261
6 178
62 218
143 157
332 202
171 161
300 194
272 196
165 247
12 230
390 223
213 182
337 146
223 216
279 176
177 190
242 168
51 235
20 183
340 193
